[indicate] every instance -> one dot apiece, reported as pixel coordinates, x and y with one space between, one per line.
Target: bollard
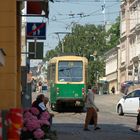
4 124
15 121
0 126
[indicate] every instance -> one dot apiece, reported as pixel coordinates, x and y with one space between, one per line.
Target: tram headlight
77 103
57 91
83 91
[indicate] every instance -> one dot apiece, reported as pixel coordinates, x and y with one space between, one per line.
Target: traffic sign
36 30
36 50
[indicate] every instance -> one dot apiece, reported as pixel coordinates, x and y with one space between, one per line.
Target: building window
123 14
138 38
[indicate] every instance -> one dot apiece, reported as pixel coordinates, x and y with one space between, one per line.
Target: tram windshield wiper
65 69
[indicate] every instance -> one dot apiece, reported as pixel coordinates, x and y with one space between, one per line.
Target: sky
63 14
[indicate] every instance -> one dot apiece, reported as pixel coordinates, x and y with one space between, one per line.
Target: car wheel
120 110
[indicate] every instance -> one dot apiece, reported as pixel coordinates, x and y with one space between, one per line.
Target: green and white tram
67 80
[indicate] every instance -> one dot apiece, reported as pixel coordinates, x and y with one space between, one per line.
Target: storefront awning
2 59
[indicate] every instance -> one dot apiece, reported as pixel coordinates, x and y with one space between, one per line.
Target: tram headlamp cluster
83 91
77 103
57 90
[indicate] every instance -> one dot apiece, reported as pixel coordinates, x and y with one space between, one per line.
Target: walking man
137 123
91 110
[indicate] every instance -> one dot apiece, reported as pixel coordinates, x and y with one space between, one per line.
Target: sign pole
35 40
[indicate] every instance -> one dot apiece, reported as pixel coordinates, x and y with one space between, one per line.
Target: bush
35 125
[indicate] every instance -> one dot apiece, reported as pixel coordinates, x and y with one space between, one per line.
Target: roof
71 57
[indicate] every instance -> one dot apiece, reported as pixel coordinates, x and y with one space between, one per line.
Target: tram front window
70 71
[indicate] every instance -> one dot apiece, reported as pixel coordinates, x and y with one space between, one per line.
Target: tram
67 80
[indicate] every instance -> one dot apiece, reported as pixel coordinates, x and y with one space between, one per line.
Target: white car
129 103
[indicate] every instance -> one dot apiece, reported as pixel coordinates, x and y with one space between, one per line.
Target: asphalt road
69 125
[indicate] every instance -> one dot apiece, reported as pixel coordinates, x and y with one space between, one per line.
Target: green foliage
113 34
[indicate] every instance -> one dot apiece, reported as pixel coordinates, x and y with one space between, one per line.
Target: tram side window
53 72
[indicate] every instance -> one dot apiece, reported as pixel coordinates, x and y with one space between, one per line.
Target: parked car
125 85
129 103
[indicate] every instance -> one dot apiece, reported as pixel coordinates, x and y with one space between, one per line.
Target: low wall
134 87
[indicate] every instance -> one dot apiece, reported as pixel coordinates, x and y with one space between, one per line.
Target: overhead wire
85 2
91 12
80 17
67 1
100 9
83 16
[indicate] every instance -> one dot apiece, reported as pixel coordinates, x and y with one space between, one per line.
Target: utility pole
57 33
61 42
103 11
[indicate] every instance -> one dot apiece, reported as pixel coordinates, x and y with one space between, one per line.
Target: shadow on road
107 132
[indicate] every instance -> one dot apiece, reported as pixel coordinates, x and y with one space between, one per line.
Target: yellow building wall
9 74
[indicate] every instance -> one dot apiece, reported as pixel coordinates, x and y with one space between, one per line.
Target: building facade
130 40
10 43
111 68
2 57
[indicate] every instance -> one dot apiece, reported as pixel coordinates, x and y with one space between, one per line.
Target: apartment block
129 62
111 59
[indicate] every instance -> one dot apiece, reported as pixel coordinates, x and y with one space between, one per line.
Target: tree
113 35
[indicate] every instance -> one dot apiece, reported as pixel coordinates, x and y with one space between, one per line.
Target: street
69 125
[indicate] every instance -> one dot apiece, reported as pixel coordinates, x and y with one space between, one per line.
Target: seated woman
38 101
41 104
46 100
